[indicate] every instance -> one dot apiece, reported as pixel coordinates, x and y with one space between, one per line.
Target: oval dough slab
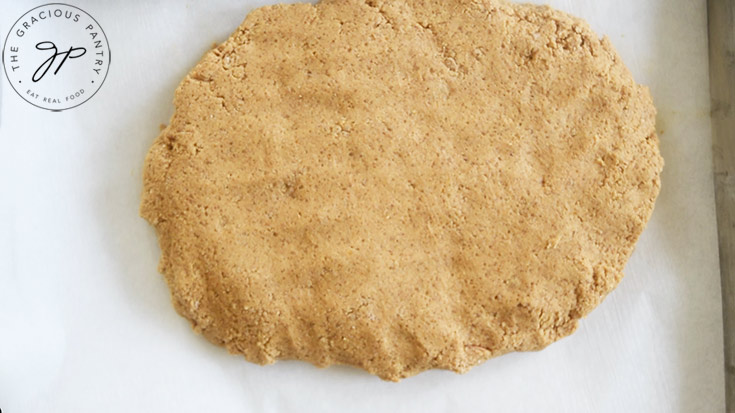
400 185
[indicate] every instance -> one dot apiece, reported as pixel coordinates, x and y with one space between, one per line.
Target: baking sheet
85 319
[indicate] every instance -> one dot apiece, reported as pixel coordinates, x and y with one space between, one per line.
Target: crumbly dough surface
400 185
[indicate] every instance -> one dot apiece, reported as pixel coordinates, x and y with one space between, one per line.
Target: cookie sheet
85 319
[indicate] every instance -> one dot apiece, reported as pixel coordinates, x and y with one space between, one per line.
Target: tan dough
400 185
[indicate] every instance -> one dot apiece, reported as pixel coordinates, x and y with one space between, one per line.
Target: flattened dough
400 185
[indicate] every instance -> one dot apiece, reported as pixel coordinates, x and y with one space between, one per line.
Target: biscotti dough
400 185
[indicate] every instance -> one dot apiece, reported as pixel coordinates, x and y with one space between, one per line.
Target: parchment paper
86 324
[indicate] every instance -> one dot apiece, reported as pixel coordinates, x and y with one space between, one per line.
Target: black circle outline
109 56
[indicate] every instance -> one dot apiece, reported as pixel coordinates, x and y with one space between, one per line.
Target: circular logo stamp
56 56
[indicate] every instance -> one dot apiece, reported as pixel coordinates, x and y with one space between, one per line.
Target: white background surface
85 319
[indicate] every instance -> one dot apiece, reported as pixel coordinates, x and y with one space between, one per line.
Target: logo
56 56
